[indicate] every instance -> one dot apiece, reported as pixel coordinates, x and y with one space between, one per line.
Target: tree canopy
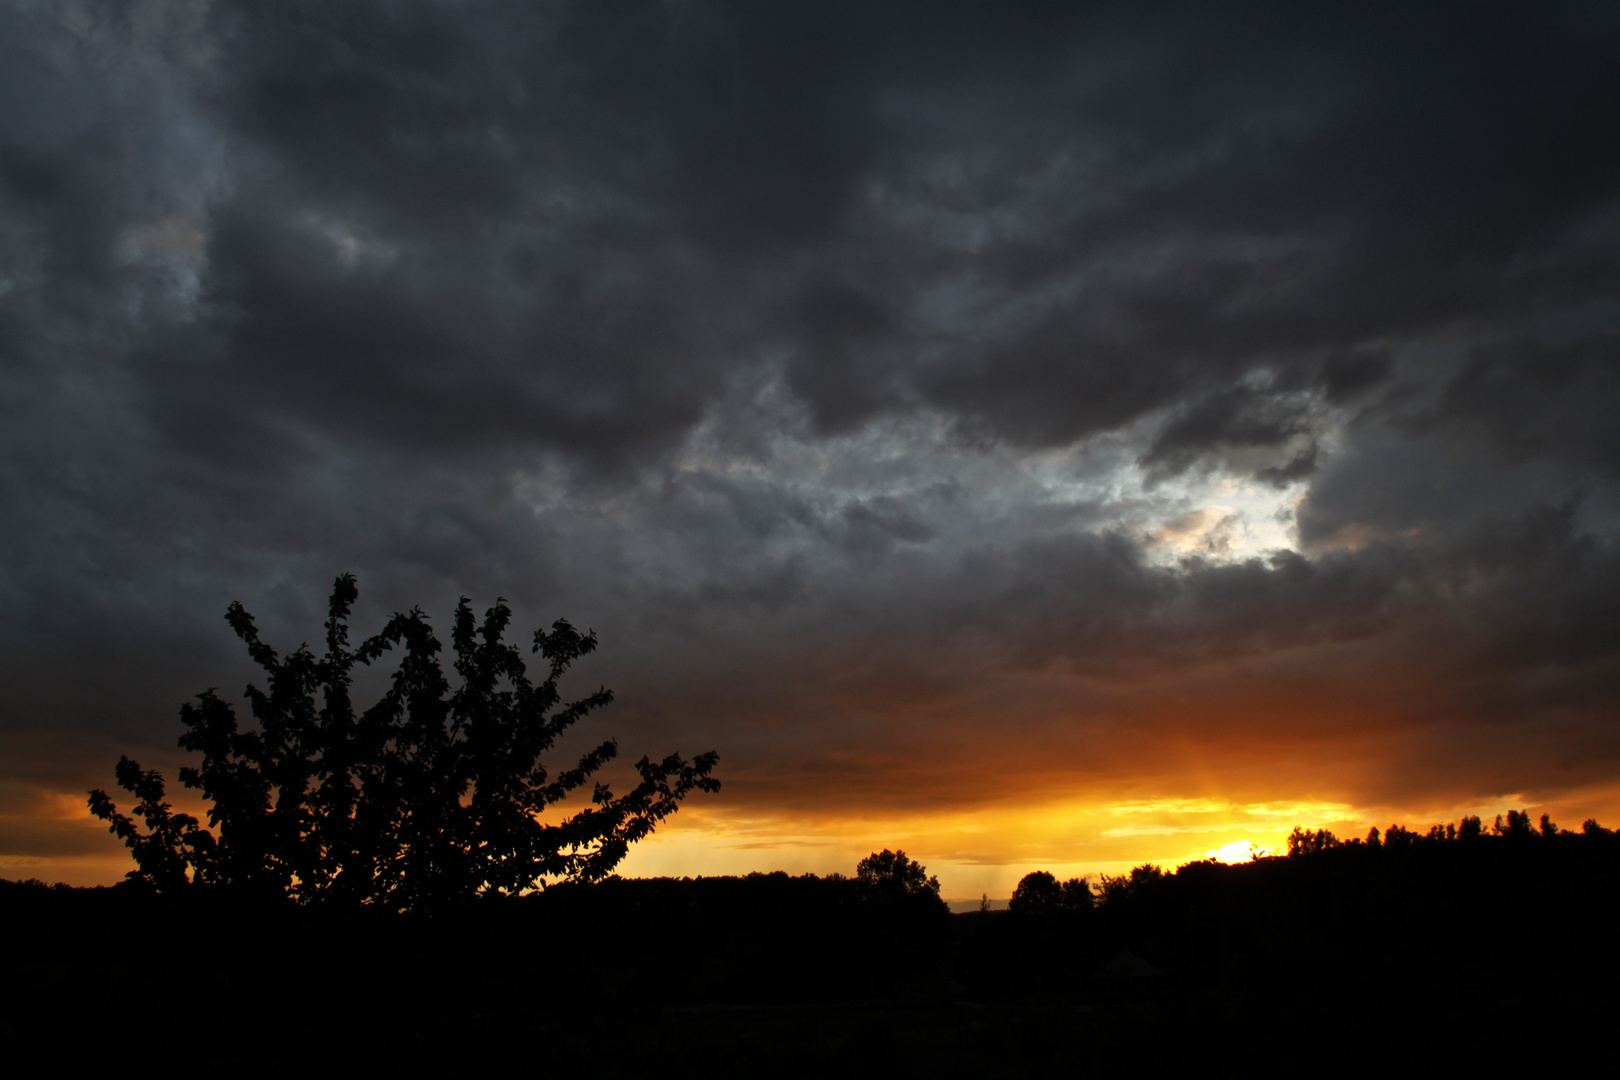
1040 893
891 876
431 794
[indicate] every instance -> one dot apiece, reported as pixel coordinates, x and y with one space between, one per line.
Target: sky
1034 436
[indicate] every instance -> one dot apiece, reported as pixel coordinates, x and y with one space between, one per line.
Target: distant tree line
1041 895
1516 826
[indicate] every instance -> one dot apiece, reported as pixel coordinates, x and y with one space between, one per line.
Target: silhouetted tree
1517 826
1039 893
429 795
1304 842
1036 893
1398 837
888 876
1114 889
1077 895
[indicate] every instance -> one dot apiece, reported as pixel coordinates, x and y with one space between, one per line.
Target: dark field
1489 954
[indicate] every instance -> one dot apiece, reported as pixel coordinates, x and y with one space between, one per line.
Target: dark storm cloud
1229 422
846 363
451 227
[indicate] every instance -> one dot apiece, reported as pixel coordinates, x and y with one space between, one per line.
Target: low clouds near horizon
1045 434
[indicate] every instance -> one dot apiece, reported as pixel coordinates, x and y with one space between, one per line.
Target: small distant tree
888 876
1516 827
1036 892
1398 837
1303 842
1040 893
1077 895
428 796
1115 889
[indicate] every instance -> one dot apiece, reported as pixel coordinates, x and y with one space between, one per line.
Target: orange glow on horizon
986 852
974 852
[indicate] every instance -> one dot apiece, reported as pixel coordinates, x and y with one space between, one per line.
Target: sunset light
1238 851
736 538
1056 442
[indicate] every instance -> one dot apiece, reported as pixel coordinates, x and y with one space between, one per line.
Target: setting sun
1237 851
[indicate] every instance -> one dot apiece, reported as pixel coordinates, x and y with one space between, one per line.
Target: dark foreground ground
1492 957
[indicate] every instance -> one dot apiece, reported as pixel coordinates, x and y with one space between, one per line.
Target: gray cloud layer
877 379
